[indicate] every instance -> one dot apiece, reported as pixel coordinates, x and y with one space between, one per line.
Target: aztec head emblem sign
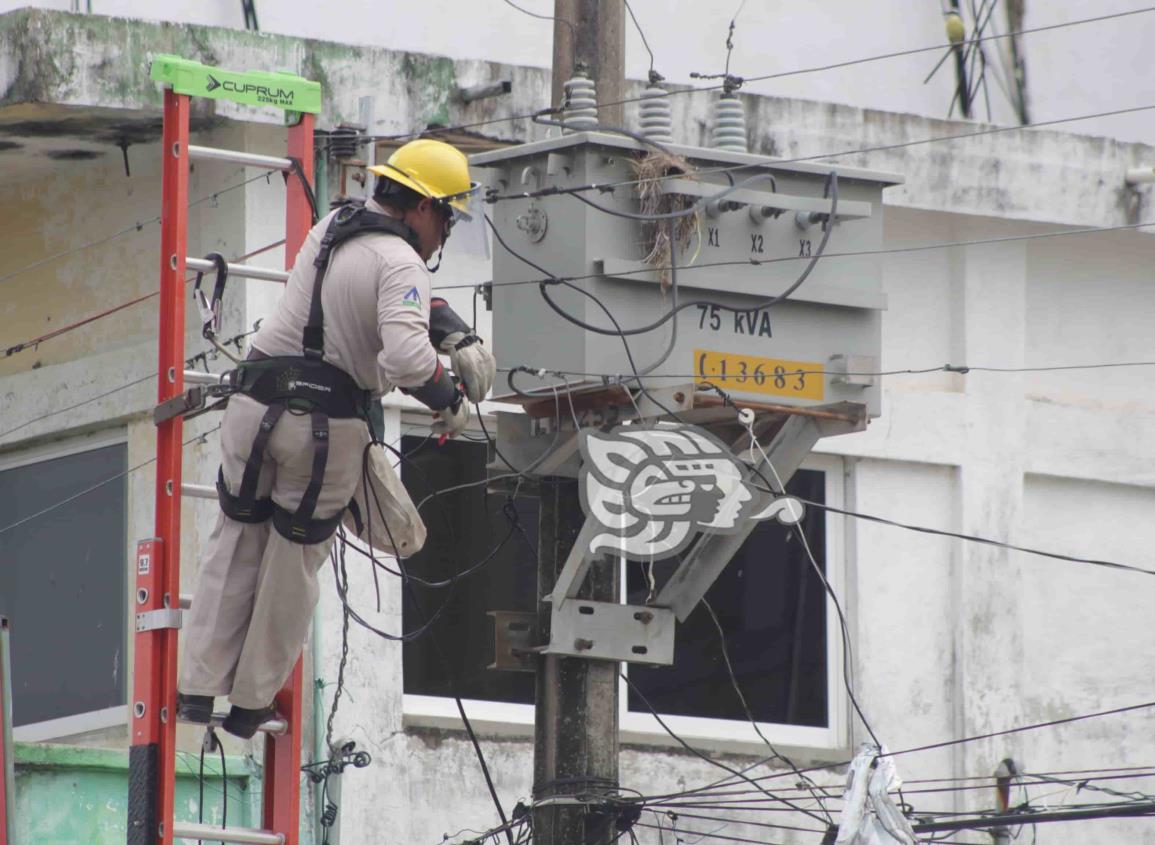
652 489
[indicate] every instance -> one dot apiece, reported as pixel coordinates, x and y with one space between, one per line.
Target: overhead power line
729 782
759 78
96 486
770 165
540 17
136 227
970 538
759 262
36 341
935 48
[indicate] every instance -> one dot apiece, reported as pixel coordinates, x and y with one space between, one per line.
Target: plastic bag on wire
869 816
381 494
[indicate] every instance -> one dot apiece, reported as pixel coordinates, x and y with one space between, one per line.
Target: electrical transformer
740 249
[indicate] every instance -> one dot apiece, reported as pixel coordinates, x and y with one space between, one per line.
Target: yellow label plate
751 374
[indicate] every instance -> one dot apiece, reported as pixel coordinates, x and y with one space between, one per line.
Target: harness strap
304 514
352 220
248 492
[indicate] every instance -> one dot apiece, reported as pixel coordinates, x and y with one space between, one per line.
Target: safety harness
303 384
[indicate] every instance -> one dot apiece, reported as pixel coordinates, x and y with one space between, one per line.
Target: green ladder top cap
285 91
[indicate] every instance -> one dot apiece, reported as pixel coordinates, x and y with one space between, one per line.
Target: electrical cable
758 262
97 486
713 835
73 407
994 130
767 825
832 190
745 80
1087 784
36 341
137 227
847 655
609 314
638 27
428 626
572 29
735 772
775 753
695 798
961 369
974 538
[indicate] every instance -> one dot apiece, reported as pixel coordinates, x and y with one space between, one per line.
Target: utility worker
355 320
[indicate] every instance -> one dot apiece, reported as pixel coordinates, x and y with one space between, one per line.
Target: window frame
109 717
517 720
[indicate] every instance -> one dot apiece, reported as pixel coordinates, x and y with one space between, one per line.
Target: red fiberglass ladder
152 758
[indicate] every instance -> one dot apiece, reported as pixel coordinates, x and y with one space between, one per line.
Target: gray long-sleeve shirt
376 304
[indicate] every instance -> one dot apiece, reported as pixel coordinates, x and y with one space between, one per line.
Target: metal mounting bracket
604 630
515 639
706 559
607 631
152 620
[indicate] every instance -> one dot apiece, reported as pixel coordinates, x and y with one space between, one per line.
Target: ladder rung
199 491
201 377
272 726
239 835
200 265
238 157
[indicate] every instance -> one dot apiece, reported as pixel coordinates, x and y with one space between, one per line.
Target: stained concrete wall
1077 70
949 639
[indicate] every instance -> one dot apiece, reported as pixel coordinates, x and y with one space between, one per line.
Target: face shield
460 205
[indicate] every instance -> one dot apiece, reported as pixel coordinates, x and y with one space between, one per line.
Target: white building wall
949 639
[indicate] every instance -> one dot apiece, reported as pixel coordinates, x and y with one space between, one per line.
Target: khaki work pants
256 590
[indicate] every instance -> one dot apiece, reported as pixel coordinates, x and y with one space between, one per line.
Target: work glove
452 420
470 360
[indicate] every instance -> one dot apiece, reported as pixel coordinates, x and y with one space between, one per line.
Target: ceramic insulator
581 110
729 125
657 124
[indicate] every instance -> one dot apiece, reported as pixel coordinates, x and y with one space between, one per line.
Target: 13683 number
753 374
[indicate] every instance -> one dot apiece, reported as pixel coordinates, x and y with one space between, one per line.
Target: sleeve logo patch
412 298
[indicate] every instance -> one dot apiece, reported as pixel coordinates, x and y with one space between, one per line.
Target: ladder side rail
282 796
154 724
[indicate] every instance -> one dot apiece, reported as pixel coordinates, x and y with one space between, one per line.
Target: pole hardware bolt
581 644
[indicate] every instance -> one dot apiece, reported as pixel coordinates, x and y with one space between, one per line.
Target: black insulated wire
543 286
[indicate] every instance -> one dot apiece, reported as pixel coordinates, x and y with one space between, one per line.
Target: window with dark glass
771 604
62 583
769 600
464 526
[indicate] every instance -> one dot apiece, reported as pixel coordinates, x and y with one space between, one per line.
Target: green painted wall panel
77 796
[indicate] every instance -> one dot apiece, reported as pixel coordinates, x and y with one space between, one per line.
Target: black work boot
194 708
244 722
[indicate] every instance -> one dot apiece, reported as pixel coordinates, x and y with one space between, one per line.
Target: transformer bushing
581 104
729 131
655 112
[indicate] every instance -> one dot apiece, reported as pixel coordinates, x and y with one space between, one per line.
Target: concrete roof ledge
56 66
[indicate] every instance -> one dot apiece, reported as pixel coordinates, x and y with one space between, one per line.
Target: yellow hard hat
433 169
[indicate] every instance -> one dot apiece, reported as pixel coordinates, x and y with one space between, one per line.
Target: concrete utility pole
598 26
576 715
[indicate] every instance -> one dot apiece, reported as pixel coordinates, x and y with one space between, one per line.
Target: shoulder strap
352 220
